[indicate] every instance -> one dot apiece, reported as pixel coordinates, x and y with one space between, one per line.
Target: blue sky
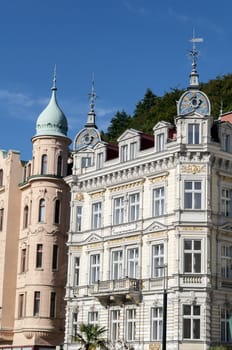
130 45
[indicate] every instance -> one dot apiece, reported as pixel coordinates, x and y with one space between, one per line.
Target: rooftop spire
91 114
54 79
194 54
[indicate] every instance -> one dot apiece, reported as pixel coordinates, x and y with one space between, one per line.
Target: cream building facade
34 219
149 215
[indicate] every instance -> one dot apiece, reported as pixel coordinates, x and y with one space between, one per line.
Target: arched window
25 216
44 162
41 210
1 177
59 166
57 212
29 170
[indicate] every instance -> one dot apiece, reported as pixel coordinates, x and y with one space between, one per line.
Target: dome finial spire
194 54
54 79
91 114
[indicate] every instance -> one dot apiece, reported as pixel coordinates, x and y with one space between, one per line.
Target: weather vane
54 78
194 53
92 95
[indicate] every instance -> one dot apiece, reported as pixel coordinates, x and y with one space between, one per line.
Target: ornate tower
39 315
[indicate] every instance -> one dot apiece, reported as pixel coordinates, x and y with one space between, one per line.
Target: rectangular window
226 261
132 262
191 321
55 257
130 324
78 219
119 210
85 162
36 304
156 323
23 260
74 324
225 328
158 201
193 134
94 268
39 255
76 271
93 318
226 142
133 150
115 325
192 194
226 202
96 215
134 205
100 160
157 260
160 142
1 218
117 267
124 153
21 306
53 305
192 256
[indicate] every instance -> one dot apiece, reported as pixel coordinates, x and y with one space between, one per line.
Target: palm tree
91 337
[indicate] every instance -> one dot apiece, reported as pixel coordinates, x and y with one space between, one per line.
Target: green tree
119 123
91 337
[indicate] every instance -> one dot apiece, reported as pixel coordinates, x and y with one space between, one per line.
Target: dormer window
226 142
100 160
133 150
193 134
124 153
1 177
85 162
160 142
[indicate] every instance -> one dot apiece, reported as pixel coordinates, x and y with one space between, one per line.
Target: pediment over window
162 124
93 238
226 227
154 227
128 134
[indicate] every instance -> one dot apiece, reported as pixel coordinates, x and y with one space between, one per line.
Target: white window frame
192 195
78 218
124 153
192 318
94 268
226 260
194 133
93 318
133 262
226 201
76 271
158 200
96 215
74 323
119 210
117 264
114 325
133 150
131 324
224 325
156 323
100 156
134 207
192 256
157 250
160 142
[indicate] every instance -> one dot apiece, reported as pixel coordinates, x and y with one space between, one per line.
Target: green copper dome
52 120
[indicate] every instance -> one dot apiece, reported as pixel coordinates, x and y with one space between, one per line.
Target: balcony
118 292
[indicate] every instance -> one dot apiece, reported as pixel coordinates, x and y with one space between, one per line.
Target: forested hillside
153 108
